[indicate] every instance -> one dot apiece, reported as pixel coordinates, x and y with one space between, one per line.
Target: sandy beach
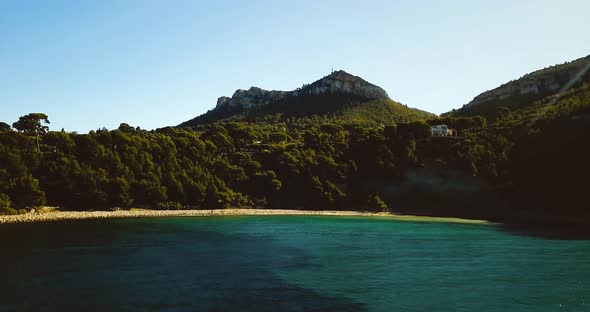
56 215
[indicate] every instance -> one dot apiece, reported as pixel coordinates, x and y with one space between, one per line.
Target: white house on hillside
442 130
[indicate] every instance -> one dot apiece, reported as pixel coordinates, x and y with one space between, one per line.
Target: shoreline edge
55 215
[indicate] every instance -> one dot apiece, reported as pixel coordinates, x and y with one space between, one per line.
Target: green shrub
4 202
9 211
170 206
377 204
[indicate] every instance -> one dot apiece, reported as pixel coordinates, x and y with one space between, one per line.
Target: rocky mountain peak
338 82
341 82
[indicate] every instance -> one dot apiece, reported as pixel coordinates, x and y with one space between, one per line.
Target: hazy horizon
154 64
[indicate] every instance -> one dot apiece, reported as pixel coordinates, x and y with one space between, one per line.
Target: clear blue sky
97 63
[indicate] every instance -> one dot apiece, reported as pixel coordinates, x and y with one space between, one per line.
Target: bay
288 263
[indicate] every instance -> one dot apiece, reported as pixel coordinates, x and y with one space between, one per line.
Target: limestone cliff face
546 81
338 82
250 98
341 82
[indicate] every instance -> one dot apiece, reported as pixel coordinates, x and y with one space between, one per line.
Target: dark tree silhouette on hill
32 124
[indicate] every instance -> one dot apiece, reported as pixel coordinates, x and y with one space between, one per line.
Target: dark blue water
287 263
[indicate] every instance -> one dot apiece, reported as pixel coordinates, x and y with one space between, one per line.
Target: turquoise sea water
288 263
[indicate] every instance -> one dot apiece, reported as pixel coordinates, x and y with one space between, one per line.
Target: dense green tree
4 126
6 205
119 192
414 130
26 193
32 124
149 193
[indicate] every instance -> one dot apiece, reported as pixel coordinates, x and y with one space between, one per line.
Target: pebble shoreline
137 213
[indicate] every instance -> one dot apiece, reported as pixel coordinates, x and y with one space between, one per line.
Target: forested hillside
307 110
339 98
535 160
529 89
316 150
